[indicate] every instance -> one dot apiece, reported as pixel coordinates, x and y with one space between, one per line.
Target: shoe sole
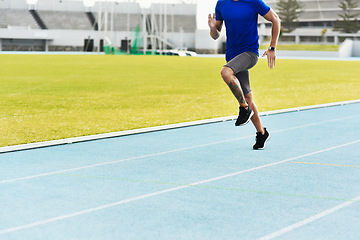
264 143
251 114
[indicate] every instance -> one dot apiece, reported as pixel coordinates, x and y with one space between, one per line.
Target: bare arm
272 17
215 26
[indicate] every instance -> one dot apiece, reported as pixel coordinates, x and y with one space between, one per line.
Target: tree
289 12
349 23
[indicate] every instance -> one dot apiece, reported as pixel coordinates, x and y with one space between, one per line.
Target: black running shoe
261 140
244 116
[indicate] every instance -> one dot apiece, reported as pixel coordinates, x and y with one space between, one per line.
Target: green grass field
47 97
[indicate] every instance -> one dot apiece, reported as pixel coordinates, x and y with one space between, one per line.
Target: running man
242 52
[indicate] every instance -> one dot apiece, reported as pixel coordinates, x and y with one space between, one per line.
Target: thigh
242 62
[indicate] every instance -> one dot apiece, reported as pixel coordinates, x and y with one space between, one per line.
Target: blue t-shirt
241 20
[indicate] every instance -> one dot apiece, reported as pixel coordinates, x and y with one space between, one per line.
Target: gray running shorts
240 65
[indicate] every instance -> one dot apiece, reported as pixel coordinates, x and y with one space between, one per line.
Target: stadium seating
16 18
126 22
65 20
314 12
329 4
69 23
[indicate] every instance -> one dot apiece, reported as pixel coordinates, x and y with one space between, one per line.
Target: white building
69 25
61 25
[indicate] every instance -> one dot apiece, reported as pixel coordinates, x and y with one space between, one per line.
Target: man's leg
239 84
240 63
262 135
244 101
245 112
255 118
229 78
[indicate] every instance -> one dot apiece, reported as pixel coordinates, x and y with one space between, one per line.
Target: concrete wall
205 44
76 38
346 48
125 8
11 4
356 49
56 5
350 48
178 9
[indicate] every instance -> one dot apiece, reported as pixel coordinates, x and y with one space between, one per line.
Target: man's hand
215 26
271 57
275 30
212 21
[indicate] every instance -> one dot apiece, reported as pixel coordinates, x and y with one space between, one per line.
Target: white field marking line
317 123
90 210
122 160
309 220
51 143
327 164
166 152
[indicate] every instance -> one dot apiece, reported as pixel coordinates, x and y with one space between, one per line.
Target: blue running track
197 182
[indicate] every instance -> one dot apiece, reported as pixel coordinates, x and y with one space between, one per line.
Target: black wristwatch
271 48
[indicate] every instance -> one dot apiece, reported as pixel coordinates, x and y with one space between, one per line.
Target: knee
227 73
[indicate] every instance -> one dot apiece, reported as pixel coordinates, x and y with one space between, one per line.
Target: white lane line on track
309 220
58 142
167 152
121 160
50 220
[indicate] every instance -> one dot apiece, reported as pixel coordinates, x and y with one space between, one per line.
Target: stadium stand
16 18
126 22
65 20
92 19
59 25
329 5
40 22
316 13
